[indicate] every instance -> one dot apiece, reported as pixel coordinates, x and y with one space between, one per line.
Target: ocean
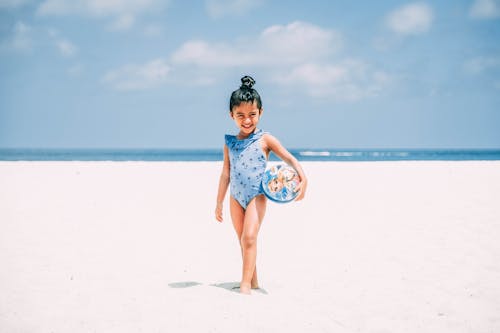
216 154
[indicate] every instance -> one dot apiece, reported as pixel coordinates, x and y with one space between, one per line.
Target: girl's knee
248 240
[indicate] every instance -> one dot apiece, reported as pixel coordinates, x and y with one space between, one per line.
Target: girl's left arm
276 147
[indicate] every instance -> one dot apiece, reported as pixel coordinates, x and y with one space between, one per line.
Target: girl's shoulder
268 137
267 141
270 142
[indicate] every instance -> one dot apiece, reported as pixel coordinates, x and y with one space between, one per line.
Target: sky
331 74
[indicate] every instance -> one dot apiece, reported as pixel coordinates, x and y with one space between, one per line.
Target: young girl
245 158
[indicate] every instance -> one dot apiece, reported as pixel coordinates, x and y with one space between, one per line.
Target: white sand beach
134 247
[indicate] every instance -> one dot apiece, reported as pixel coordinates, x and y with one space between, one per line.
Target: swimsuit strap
232 141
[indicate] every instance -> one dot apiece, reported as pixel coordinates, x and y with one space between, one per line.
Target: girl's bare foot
245 289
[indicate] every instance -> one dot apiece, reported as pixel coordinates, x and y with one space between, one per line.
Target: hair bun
247 82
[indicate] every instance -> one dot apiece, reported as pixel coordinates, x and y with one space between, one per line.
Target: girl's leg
237 216
254 215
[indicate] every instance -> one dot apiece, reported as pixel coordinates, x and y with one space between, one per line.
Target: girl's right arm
223 185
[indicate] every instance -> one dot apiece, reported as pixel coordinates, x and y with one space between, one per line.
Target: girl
245 158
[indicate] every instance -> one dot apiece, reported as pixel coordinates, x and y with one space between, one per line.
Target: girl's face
246 117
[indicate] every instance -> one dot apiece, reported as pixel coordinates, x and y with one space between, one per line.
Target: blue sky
332 74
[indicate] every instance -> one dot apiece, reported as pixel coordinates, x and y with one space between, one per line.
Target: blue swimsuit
247 165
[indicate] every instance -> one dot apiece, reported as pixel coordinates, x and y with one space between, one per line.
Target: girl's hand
301 188
218 213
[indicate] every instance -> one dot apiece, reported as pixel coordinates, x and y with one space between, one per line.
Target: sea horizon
212 154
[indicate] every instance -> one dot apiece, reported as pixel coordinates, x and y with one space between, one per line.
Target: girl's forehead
246 107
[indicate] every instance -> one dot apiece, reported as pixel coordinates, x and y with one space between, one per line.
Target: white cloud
298 56
295 56
485 9
276 46
138 77
206 54
411 19
299 41
122 13
97 8
65 47
13 3
221 8
346 80
25 38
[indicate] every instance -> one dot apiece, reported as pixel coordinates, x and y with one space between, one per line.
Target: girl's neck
245 136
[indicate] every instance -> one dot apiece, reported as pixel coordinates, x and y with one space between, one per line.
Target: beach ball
279 182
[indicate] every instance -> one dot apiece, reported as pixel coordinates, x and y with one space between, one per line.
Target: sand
134 247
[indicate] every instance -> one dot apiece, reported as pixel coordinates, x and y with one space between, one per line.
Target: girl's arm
223 184
276 147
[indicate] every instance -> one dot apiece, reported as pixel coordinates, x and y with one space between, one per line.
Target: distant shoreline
216 154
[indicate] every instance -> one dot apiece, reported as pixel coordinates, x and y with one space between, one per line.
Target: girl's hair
246 94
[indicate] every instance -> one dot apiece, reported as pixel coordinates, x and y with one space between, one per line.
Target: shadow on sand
186 284
229 286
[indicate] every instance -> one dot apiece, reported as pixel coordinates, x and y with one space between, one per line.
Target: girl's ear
261 111
231 114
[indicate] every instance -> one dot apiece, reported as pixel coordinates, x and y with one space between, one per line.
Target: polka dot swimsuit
247 165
